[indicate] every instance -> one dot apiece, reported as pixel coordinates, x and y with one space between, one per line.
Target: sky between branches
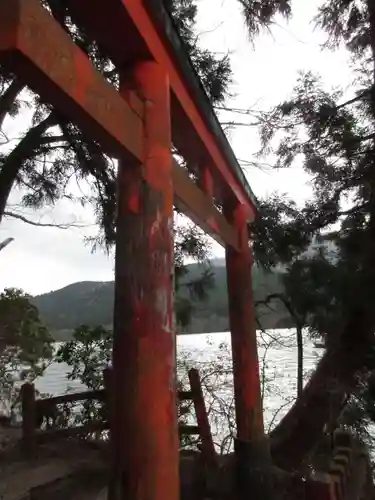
43 259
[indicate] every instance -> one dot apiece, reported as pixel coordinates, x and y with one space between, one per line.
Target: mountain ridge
91 303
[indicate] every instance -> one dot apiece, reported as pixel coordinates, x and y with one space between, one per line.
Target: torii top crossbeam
50 65
160 102
143 30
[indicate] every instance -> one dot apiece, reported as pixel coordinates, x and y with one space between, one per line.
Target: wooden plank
99 394
70 398
49 435
52 434
207 444
28 417
35 47
193 202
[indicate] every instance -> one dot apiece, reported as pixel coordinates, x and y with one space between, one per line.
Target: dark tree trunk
334 378
8 97
321 399
299 360
371 18
24 149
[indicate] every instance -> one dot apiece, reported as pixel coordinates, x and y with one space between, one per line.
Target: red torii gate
160 102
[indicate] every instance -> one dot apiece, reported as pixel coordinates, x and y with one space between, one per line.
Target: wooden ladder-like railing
202 428
36 412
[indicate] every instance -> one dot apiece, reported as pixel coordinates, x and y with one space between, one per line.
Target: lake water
210 353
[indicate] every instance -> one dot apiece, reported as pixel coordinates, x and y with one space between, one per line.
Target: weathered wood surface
18 476
78 470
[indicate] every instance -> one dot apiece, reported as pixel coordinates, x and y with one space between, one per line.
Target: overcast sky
42 259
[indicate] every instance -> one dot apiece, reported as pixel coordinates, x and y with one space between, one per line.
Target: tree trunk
24 149
321 399
334 378
8 98
299 360
371 18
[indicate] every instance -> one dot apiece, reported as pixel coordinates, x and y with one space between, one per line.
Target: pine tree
54 149
260 15
43 160
73 153
333 138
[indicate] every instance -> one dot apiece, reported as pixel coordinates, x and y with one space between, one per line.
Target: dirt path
57 466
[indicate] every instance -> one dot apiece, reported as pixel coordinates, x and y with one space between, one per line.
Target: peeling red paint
206 181
144 343
249 415
133 202
213 224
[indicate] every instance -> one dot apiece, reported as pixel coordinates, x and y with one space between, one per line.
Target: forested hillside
91 303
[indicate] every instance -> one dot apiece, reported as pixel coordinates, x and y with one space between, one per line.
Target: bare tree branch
5 243
20 153
240 124
68 225
8 97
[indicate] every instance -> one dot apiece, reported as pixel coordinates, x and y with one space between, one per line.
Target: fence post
208 449
28 417
113 480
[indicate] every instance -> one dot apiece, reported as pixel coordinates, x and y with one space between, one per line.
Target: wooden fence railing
43 412
347 477
39 412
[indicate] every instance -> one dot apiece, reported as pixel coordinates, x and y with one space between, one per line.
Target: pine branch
240 124
24 149
8 98
49 139
5 243
287 304
22 218
358 97
239 111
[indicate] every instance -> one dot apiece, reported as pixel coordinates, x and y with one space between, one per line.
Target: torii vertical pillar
249 416
252 452
145 433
